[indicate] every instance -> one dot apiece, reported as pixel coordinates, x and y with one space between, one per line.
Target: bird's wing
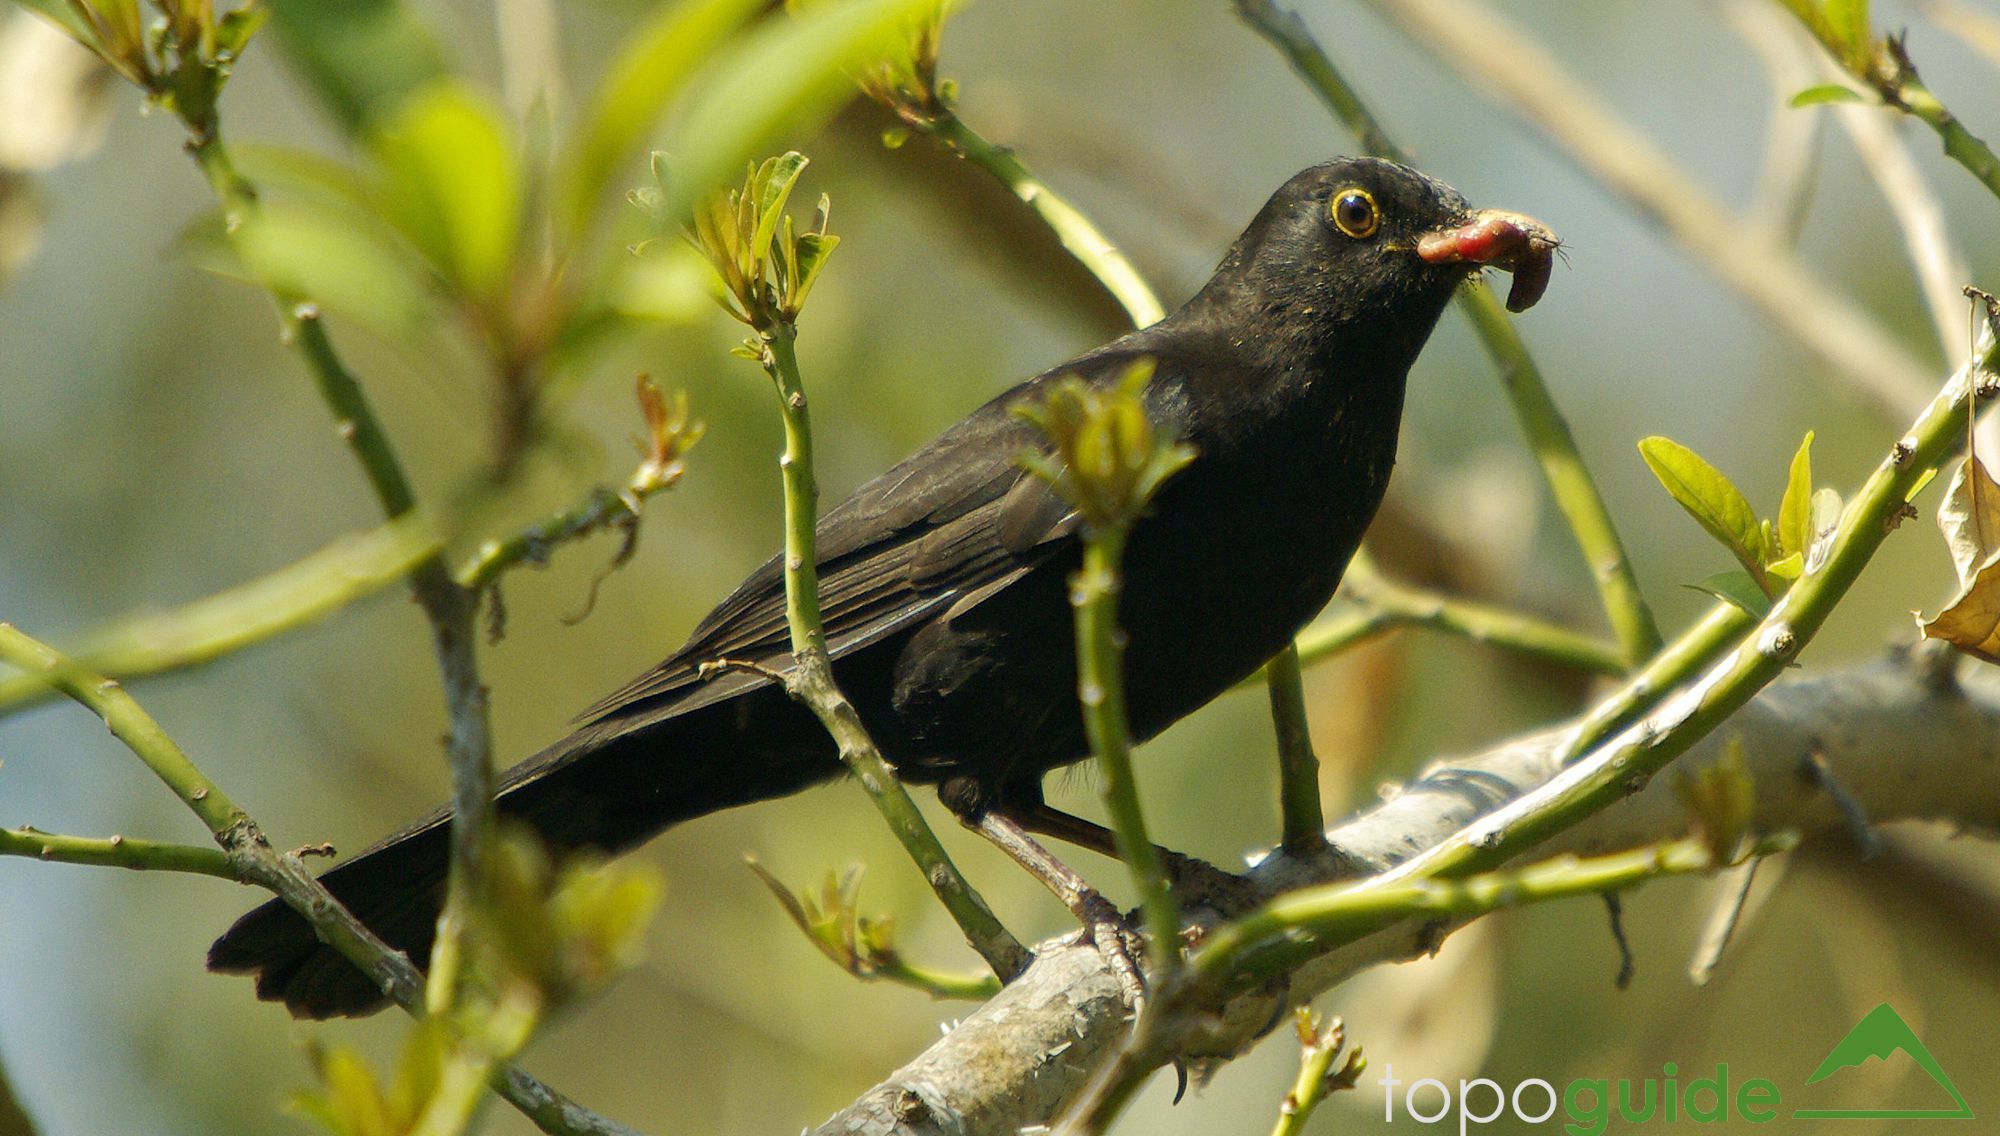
960 517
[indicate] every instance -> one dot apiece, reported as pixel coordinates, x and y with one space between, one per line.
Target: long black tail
607 787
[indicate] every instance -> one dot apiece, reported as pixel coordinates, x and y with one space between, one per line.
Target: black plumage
943 580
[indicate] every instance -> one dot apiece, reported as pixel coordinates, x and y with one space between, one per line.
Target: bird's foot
1121 944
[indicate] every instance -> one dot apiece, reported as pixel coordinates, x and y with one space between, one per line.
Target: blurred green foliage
471 251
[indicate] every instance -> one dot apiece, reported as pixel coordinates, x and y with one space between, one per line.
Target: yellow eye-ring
1355 214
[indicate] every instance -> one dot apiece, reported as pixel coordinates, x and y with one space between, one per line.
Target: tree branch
1034 1046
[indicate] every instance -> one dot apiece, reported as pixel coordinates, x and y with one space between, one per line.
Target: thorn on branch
1820 772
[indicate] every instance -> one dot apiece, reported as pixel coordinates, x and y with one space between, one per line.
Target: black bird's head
1363 253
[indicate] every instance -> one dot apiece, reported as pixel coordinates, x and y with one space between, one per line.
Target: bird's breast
1247 545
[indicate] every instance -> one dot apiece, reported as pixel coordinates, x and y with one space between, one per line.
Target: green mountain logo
1880 1035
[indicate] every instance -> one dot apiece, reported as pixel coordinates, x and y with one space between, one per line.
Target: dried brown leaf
1970 519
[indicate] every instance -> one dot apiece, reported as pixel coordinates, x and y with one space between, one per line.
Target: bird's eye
1355 214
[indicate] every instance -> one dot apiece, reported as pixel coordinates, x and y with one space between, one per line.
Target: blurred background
158 443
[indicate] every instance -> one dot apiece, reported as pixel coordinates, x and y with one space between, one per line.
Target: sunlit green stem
1100 659
1377 604
1298 766
1886 67
1302 923
938 983
116 852
1624 762
1336 633
1960 144
1308 1089
1078 235
812 680
1678 662
1575 492
1298 924
1496 626
250 857
450 608
207 629
130 724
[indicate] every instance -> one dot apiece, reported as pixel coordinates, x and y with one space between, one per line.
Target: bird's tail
607 787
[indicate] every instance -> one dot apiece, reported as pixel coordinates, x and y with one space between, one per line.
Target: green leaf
1848 22
1794 512
775 180
1787 568
1826 93
813 249
453 184
314 253
234 29
1736 586
62 15
786 75
1709 497
306 173
361 57
1842 25
670 284
653 67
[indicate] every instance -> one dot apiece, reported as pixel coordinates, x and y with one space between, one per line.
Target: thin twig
1100 678
1318 1046
1623 764
1346 628
1254 947
251 859
1405 606
116 852
1693 649
812 682
992 1073
1083 239
352 567
1375 604
670 433
451 611
1732 894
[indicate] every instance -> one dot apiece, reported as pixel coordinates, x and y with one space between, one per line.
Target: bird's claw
1106 928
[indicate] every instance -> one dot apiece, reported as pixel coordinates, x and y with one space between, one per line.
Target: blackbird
942 582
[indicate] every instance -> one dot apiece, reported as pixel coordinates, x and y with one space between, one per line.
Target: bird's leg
1195 882
1106 927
